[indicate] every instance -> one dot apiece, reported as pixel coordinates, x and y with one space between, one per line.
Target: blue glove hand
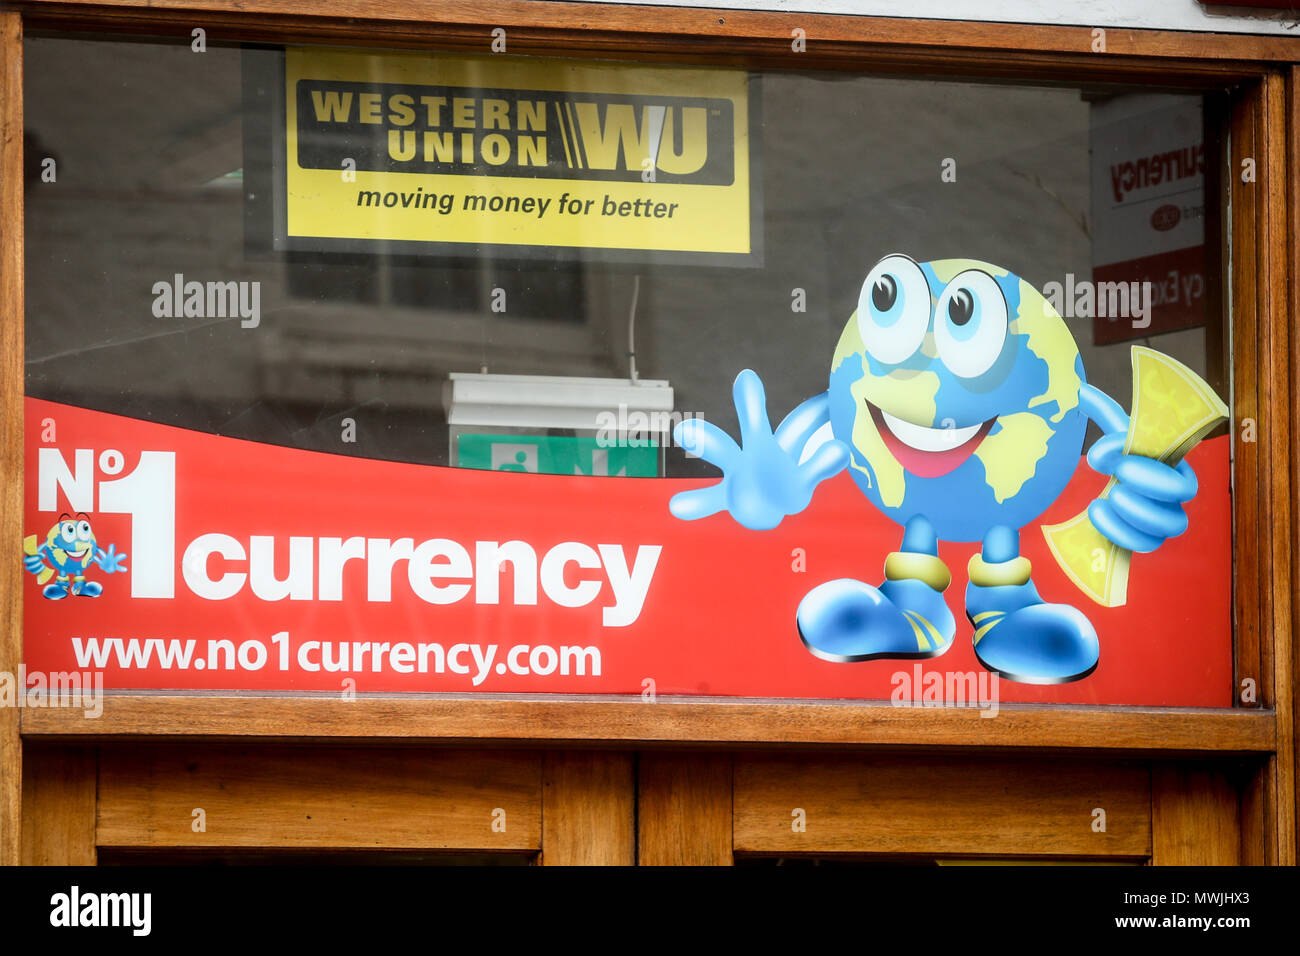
1144 508
762 479
34 563
111 560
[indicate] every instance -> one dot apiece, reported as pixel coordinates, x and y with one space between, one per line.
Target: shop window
1044 232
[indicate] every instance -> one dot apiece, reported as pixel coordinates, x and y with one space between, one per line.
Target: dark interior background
148 140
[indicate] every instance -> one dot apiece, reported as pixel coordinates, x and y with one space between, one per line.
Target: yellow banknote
1173 409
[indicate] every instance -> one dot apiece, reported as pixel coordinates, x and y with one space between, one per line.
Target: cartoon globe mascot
68 550
958 403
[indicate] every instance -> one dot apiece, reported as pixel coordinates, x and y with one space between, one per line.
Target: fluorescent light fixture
550 401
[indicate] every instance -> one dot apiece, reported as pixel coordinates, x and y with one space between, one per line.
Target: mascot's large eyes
884 294
970 324
894 309
83 530
68 531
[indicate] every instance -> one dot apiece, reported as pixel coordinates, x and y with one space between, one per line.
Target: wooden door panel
612 807
589 808
684 812
941 806
1195 816
59 806
395 798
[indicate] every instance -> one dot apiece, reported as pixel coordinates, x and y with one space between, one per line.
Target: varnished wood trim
1256 812
710 722
59 789
1278 394
684 809
309 797
11 419
1287 647
1248 504
705 23
1264 391
861 43
786 805
589 808
1195 817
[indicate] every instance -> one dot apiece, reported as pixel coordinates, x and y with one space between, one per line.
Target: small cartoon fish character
67 551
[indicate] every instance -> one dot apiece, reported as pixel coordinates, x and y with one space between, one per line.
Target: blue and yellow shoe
1017 635
906 617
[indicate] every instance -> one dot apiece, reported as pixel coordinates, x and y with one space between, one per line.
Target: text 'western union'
514 132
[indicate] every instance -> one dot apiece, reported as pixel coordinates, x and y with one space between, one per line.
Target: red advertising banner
226 564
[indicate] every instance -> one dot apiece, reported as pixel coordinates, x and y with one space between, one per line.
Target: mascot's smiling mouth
927 452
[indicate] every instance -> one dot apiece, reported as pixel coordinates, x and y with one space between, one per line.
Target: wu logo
544 134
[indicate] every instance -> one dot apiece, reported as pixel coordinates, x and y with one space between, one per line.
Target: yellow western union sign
521 152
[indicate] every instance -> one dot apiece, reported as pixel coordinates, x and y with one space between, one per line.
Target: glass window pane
1002 205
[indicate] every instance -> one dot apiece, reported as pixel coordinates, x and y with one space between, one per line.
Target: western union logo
454 130
435 154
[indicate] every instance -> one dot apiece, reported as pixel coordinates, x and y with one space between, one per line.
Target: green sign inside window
559 455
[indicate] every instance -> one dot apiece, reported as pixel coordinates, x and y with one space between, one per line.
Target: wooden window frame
1265 108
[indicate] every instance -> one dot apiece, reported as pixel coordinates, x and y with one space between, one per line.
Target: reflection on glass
1082 193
